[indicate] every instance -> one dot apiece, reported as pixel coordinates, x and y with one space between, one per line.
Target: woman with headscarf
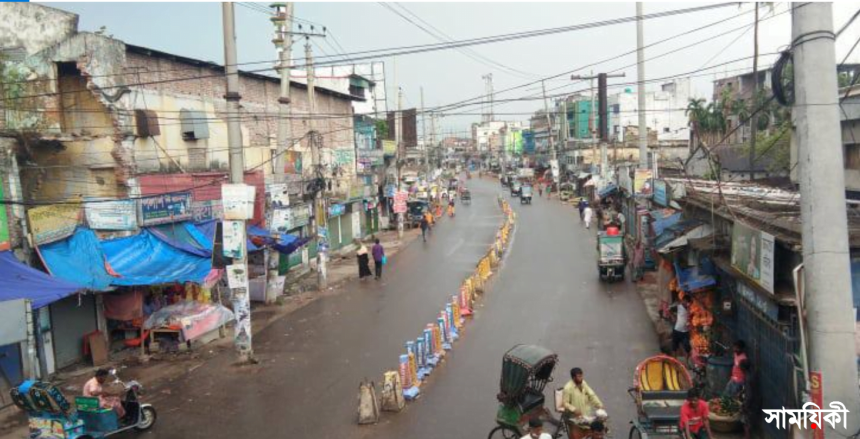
363 260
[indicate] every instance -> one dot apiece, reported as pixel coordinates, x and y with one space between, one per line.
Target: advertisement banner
816 396
400 201
163 209
389 147
237 276
207 210
292 162
343 157
234 239
336 210
4 224
278 195
356 225
661 195
238 200
752 254
52 223
642 182
624 180
111 215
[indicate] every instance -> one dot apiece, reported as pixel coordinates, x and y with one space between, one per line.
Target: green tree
382 129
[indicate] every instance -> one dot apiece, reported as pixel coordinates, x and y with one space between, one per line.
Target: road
546 292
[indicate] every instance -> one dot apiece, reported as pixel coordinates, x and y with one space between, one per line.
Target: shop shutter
70 322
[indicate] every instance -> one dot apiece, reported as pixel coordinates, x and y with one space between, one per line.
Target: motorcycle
48 410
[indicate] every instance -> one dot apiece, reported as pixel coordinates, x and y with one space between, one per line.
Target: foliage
775 145
381 129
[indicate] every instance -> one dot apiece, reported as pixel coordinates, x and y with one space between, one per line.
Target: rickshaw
526 370
610 256
660 386
466 197
526 194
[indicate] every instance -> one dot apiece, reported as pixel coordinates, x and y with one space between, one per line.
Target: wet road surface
547 292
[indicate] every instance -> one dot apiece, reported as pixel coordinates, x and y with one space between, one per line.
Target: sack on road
392 392
368 407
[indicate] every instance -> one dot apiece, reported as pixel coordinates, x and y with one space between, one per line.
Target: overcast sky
194 30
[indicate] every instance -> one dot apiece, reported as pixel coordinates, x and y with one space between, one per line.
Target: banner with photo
752 254
234 239
642 182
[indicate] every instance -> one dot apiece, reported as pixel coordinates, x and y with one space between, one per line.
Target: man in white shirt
536 430
681 331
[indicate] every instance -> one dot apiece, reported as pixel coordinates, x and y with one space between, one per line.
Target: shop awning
282 242
23 282
207 230
663 219
184 236
680 234
693 278
610 189
583 175
144 259
78 259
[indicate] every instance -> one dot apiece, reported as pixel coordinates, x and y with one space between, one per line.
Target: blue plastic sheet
663 219
184 236
24 282
78 259
695 278
610 189
143 259
207 229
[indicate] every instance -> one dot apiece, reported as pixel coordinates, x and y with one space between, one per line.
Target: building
666 112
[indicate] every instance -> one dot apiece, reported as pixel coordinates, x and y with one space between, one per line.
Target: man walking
378 257
587 214
681 331
582 205
424 226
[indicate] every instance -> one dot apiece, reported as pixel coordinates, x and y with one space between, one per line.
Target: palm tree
695 112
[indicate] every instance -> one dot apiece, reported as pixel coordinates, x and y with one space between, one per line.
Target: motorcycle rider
94 388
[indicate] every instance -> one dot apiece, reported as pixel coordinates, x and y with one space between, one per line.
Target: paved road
546 293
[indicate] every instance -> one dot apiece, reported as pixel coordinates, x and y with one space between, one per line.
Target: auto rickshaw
466 197
526 370
610 256
565 192
526 194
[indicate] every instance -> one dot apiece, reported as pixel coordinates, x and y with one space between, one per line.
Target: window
852 156
667 130
194 125
147 123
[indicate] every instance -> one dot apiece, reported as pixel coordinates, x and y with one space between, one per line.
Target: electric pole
424 137
604 116
283 40
241 301
552 153
314 138
754 127
827 271
398 133
640 77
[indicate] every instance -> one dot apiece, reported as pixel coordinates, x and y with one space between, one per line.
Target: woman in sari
363 261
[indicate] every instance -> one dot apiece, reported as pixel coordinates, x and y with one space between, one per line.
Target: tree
381 129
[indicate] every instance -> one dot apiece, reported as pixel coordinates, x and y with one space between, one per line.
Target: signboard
4 224
624 180
163 209
816 396
292 162
356 224
759 301
752 254
336 210
642 182
111 215
343 157
237 276
278 195
553 164
13 321
661 195
52 223
238 200
234 239
207 210
400 201
389 147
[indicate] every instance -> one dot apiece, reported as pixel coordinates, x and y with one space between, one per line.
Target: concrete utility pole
552 152
754 126
398 133
488 89
604 117
283 21
241 301
424 137
320 214
433 133
827 271
640 80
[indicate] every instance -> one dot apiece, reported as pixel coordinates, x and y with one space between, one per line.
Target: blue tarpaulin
23 282
610 189
664 218
78 259
184 236
207 229
143 259
696 277
670 233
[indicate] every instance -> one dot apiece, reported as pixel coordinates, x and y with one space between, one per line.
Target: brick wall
259 99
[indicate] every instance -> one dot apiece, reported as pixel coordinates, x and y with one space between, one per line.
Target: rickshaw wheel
635 433
504 432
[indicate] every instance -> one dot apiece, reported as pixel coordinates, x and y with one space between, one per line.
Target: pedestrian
378 257
363 260
736 382
681 330
587 214
536 430
620 220
749 399
694 417
424 226
540 190
638 262
582 205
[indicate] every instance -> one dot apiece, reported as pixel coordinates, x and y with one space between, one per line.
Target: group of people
583 410
377 251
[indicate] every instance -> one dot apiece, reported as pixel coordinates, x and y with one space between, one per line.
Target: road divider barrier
428 350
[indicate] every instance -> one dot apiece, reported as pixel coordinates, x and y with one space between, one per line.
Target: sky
448 76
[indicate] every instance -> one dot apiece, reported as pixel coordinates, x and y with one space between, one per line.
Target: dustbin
719 373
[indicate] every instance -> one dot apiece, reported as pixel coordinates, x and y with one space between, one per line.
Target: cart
660 386
466 197
526 194
610 257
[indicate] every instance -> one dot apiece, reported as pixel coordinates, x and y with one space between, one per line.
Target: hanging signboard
4 224
343 157
624 180
278 195
336 210
389 147
292 162
234 239
642 182
163 209
752 254
400 201
52 223
238 200
237 276
207 210
661 195
110 215
356 224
